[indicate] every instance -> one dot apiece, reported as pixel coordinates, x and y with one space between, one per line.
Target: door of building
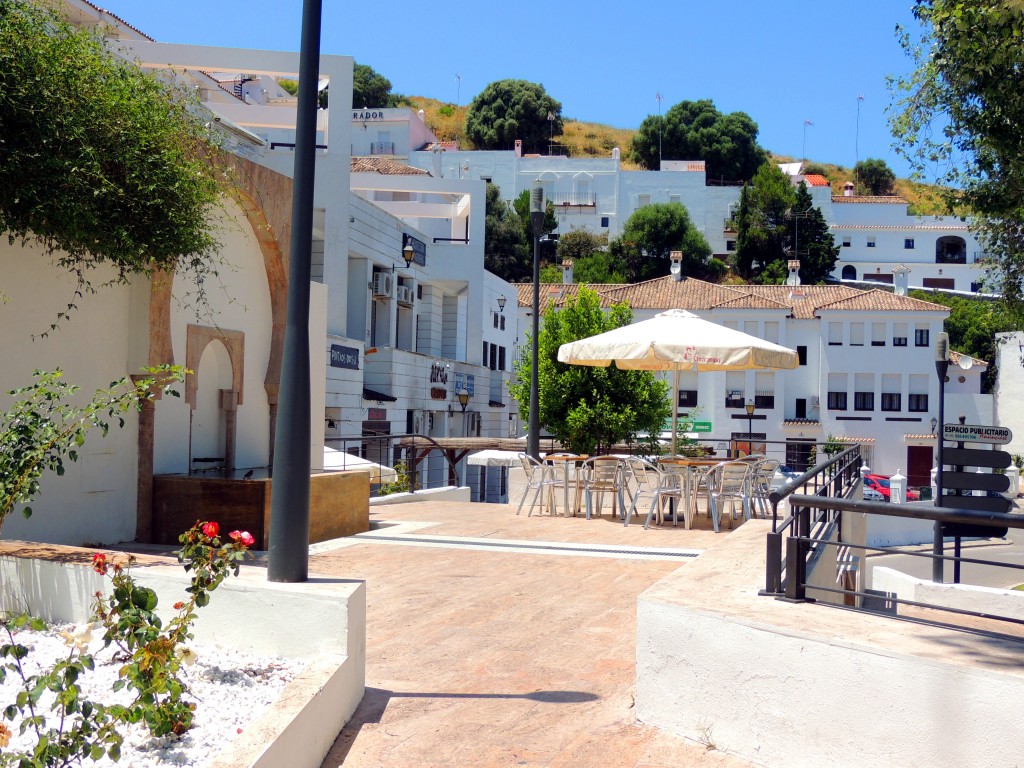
919 465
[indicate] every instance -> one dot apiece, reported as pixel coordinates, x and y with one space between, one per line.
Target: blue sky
781 62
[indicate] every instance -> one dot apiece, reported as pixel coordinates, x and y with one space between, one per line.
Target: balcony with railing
382 147
575 199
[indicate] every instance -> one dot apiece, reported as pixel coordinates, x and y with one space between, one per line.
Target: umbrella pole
674 399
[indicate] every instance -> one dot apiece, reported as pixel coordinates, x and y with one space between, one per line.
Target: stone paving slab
505 657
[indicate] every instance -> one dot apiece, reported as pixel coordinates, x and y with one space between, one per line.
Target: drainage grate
529 546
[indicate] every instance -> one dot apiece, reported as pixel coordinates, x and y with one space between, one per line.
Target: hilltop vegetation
583 139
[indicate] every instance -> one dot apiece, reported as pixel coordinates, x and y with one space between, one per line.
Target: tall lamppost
751 407
941 367
288 556
803 146
658 96
537 220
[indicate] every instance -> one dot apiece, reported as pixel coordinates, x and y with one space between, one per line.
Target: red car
880 483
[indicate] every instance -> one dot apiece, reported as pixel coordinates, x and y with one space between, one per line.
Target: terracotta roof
956 357
891 199
447 146
876 300
801 423
384 166
816 180
118 19
927 436
854 439
802 302
963 227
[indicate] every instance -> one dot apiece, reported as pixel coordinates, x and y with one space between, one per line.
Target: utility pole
660 126
856 144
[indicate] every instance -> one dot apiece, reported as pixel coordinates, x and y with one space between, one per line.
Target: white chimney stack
794 272
676 265
567 271
519 147
901 280
848 189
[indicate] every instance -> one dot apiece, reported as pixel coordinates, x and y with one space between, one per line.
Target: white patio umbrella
677 340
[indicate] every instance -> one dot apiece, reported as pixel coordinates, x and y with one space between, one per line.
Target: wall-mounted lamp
935 423
463 396
408 254
501 304
332 424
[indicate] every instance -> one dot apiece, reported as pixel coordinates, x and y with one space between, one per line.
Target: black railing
799 543
291 145
951 258
382 147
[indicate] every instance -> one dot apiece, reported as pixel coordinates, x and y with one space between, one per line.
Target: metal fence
812 536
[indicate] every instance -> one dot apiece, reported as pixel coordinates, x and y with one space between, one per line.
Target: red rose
211 530
99 563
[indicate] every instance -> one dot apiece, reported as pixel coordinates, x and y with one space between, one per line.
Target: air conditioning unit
405 294
418 423
815 402
383 282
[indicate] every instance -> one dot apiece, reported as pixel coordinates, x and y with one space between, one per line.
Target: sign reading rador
974 433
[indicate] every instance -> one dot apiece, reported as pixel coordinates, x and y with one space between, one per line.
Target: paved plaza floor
503 640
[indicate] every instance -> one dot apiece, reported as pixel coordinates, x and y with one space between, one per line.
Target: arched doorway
849 272
950 249
208 426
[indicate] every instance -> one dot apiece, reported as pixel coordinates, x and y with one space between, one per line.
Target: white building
866 372
392 343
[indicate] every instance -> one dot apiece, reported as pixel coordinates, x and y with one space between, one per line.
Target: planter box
339 505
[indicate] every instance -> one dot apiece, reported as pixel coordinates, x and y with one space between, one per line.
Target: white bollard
935 483
864 470
1014 474
898 488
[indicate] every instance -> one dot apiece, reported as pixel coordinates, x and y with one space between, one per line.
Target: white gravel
230 690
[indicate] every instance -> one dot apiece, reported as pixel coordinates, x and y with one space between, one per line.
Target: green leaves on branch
44 427
588 408
959 117
100 162
507 110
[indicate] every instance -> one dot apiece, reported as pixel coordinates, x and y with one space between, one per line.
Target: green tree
762 221
651 234
507 110
522 208
966 81
695 130
370 88
599 267
813 243
586 408
100 161
877 177
506 253
578 244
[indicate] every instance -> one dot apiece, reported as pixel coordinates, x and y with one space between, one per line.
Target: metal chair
761 484
604 474
538 478
728 482
660 485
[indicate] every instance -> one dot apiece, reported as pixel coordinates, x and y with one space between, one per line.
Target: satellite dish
966 362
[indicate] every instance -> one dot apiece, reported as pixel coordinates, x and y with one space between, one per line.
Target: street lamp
941 367
751 407
501 304
408 252
463 396
537 220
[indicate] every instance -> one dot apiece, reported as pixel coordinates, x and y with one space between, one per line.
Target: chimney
848 189
794 272
616 154
901 279
436 161
567 271
519 147
422 116
676 265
